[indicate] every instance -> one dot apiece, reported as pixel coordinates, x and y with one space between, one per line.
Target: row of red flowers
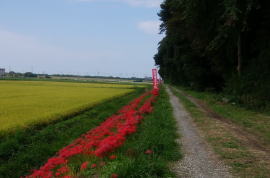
101 140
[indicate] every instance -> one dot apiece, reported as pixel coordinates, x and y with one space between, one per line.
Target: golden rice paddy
23 103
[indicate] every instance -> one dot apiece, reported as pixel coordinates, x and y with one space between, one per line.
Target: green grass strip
158 133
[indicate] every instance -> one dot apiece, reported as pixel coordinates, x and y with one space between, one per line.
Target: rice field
23 103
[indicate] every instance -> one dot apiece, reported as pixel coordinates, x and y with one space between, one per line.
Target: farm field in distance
28 102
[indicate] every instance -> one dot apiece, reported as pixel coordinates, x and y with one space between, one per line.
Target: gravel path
199 160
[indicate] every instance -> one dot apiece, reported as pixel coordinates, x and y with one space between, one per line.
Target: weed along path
199 160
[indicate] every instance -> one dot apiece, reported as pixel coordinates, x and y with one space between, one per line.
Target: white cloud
144 3
149 27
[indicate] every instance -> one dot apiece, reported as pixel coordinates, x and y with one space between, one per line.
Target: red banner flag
155 79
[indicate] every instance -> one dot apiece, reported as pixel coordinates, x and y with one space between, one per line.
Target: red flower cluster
101 140
148 152
84 165
113 157
155 91
114 176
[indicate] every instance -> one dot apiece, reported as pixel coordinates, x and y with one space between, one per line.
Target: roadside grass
254 122
157 133
28 149
225 144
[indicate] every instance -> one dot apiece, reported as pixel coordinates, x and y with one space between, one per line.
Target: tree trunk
239 56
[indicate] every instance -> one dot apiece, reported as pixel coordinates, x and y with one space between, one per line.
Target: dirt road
199 160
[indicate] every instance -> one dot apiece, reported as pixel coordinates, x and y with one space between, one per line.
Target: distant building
2 72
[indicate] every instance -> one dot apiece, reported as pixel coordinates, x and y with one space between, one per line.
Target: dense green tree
221 45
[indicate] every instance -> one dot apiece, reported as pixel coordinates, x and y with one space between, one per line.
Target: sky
81 37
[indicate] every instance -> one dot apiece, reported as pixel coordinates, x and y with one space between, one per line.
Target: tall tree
219 44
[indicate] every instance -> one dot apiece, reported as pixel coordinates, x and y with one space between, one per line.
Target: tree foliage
222 45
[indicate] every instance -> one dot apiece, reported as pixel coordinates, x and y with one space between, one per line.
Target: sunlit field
23 103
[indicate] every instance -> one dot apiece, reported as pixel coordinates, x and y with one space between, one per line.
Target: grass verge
156 133
254 122
225 144
28 149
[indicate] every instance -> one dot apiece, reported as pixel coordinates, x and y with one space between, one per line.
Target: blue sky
85 37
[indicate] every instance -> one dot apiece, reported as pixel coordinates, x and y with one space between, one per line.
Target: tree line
217 45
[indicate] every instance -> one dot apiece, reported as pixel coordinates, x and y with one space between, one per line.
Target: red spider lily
148 152
93 165
84 165
100 141
62 171
67 177
155 91
114 175
113 157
